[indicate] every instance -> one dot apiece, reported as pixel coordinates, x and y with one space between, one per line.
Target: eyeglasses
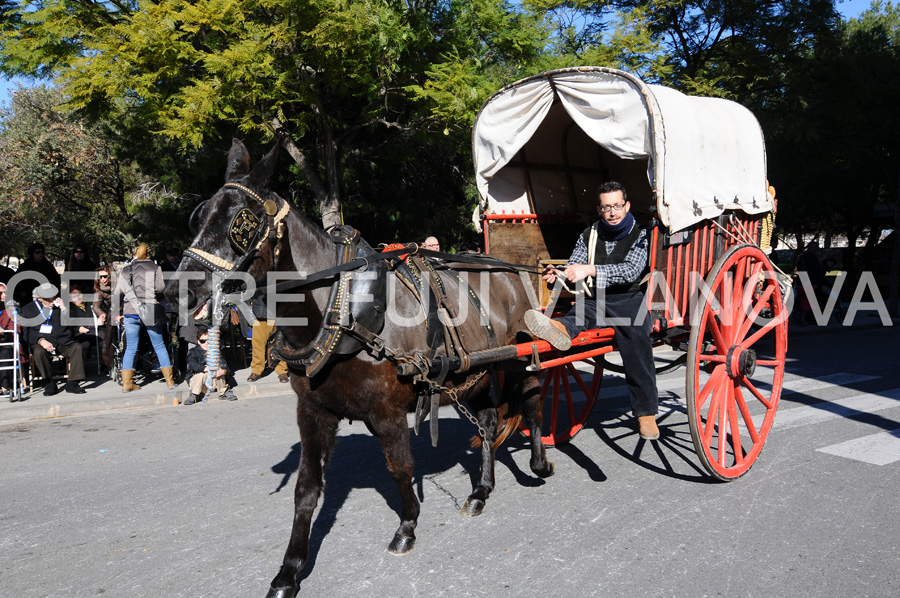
104 276
614 208
78 251
202 341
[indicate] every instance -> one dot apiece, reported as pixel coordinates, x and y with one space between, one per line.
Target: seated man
197 371
612 275
46 335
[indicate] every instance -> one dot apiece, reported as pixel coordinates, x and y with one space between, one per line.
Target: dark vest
619 252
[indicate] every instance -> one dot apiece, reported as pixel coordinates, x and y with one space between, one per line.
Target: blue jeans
133 337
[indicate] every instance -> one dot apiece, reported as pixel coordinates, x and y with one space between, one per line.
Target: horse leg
486 414
393 433
532 413
317 437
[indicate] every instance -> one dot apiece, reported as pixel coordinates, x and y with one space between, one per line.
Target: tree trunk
328 197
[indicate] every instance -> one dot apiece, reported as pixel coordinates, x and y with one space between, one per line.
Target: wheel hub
740 362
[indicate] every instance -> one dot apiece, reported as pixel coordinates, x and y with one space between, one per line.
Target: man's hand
102 319
220 373
47 345
83 330
577 272
550 274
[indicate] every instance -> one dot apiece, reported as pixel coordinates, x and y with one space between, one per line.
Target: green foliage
61 183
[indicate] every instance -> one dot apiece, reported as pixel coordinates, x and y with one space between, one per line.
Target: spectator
81 316
197 370
6 273
432 244
170 264
81 270
612 277
6 336
38 263
141 284
102 308
262 330
47 336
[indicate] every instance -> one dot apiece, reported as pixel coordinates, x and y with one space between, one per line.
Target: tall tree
333 76
61 183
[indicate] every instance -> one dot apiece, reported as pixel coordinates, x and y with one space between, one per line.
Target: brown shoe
647 427
252 377
548 329
284 378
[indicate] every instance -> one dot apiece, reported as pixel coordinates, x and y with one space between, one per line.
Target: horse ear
263 169
238 161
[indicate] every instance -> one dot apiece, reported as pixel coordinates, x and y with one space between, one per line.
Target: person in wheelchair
47 337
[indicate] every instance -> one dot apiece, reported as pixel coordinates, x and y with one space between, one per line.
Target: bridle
246 234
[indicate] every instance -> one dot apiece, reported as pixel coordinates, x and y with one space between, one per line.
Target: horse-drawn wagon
695 170
369 335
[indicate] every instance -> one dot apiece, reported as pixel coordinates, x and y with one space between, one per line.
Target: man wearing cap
45 333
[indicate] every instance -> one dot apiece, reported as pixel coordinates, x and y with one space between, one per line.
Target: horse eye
197 217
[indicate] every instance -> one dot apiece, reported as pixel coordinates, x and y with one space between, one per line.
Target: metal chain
452 393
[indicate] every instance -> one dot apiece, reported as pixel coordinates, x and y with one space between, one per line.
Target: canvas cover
703 155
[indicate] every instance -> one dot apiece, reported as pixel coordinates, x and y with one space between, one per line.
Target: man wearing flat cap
42 324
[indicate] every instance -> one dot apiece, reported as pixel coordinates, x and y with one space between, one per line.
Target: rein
362 263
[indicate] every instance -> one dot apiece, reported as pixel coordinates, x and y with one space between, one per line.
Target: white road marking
826 410
877 449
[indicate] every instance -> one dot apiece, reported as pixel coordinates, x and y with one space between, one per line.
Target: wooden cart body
694 170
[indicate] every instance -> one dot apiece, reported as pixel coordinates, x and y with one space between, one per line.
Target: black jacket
196 362
59 335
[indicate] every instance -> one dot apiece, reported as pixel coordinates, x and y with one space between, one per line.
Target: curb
23 412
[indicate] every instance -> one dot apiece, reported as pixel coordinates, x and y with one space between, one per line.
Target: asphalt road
171 502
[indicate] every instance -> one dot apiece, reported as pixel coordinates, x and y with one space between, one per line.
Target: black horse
344 371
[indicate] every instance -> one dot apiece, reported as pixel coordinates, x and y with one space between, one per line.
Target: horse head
238 234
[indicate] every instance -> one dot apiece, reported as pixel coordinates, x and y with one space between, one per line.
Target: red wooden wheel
568 394
735 362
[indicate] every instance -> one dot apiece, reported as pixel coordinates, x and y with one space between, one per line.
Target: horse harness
348 327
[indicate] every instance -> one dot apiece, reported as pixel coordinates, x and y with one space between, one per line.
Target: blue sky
848 8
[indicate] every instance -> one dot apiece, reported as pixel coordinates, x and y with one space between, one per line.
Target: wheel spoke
570 404
759 334
745 413
711 384
718 336
755 392
711 416
735 428
754 312
723 411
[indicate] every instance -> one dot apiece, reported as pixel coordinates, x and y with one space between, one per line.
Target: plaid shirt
610 274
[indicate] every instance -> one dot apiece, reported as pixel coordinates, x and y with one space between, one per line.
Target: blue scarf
617 232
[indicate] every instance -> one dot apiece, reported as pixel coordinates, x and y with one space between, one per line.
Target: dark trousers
620 312
74 352
6 375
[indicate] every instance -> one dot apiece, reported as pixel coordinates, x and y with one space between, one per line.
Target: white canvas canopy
701 155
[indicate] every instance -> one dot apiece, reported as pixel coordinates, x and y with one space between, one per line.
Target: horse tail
508 420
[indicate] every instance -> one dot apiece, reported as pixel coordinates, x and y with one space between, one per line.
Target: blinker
243 229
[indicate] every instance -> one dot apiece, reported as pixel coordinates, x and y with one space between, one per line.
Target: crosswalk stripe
825 410
882 448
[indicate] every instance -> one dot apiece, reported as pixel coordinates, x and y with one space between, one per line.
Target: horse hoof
546 471
281 593
473 507
402 545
